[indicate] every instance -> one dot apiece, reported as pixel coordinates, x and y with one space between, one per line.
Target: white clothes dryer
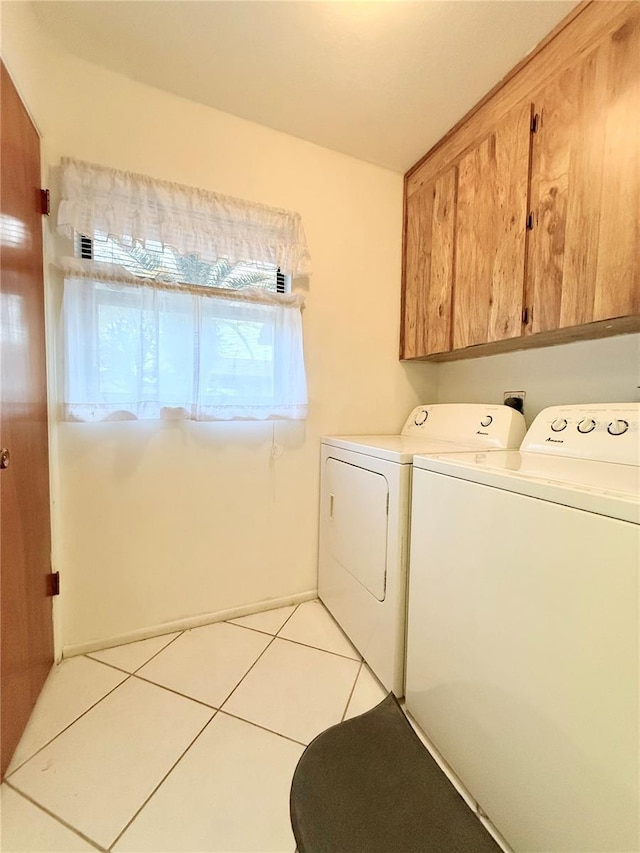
364 520
523 627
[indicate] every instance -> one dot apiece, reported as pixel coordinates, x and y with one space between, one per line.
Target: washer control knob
617 427
586 425
421 417
559 424
486 421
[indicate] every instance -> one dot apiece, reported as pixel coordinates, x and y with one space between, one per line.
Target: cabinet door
429 267
583 262
491 219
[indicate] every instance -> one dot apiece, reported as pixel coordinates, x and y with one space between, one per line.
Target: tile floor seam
250 628
317 648
293 612
268 646
346 707
247 628
200 701
160 783
119 668
264 728
133 642
104 663
175 692
178 635
55 817
72 723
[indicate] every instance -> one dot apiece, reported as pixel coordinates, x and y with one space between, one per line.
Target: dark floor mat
368 785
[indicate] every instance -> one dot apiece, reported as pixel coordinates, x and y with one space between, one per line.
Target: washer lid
394 448
602 487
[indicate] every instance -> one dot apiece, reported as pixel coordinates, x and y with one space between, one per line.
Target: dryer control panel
467 423
602 432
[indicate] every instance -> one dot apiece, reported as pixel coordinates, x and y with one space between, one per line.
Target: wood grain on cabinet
491 233
617 291
576 275
573 38
429 268
585 190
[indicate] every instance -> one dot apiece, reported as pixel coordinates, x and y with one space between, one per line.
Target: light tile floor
186 742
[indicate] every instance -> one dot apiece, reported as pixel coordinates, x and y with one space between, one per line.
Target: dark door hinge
535 123
53 583
527 315
530 221
45 203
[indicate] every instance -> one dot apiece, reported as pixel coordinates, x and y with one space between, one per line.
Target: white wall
603 371
154 522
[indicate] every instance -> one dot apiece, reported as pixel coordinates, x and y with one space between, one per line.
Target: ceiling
381 81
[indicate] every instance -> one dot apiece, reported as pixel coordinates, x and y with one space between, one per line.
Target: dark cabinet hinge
535 123
53 583
527 315
530 221
45 203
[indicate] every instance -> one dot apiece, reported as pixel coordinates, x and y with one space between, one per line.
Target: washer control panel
473 424
603 432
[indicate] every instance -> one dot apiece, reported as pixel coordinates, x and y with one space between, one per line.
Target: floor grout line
54 816
127 643
294 611
103 663
164 648
161 782
250 628
318 649
128 671
176 692
268 646
338 654
264 728
72 723
346 707
234 621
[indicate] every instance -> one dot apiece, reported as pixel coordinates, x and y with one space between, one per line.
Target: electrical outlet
512 396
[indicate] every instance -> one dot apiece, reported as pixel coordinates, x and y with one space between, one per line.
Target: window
152 330
151 260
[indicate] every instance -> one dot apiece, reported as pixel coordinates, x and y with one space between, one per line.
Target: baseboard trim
184 624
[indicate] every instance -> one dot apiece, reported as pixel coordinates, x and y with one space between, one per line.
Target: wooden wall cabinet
585 189
490 233
522 226
429 251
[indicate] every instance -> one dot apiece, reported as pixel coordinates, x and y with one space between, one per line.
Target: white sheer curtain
132 207
144 348
144 351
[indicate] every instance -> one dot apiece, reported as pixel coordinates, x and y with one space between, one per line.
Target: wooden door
584 256
491 233
429 268
25 543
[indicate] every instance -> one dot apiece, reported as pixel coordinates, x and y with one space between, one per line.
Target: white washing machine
364 520
523 632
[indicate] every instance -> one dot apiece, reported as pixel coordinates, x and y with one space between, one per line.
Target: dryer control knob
586 425
559 424
421 417
486 421
617 427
